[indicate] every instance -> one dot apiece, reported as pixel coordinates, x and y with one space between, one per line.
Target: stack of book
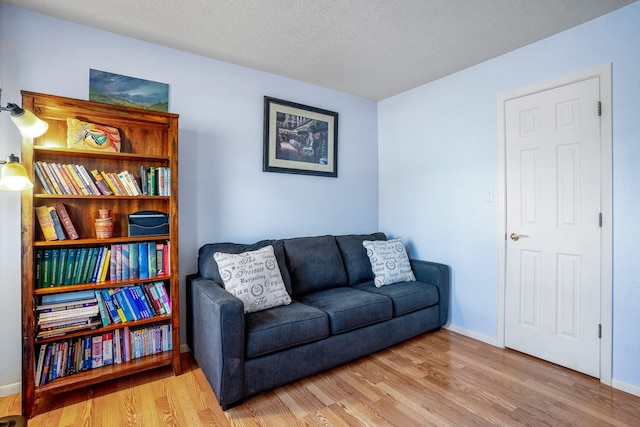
74 179
131 303
144 260
67 312
62 358
72 266
55 221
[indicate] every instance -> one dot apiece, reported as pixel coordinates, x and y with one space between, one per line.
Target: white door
552 288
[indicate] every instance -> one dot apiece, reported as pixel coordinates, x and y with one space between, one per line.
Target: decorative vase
104 224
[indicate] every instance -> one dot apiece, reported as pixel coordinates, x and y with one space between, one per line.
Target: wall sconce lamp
13 176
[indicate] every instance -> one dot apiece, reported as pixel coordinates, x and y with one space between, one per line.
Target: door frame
606 182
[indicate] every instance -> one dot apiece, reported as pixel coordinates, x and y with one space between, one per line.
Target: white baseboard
471 334
617 384
629 388
9 389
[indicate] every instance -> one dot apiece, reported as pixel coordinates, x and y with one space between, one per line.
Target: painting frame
299 139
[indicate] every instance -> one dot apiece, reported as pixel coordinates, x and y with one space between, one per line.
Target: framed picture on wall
299 139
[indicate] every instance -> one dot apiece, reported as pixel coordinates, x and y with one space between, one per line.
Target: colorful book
107 348
62 266
71 262
102 185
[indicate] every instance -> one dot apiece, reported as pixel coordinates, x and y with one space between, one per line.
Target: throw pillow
389 261
253 277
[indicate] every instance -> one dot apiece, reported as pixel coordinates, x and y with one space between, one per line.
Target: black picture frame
299 139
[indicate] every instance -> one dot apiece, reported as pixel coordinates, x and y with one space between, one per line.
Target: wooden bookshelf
148 138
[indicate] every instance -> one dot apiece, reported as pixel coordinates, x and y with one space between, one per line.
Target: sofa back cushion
315 264
208 267
355 256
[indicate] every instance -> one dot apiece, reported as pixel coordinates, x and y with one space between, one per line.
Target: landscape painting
128 91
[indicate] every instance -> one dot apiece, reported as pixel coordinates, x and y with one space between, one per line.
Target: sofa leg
232 405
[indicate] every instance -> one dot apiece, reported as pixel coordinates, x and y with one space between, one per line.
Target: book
62 266
40 363
46 366
62 182
143 261
67 296
46 268
134 271
38 271
46 223
102 185
116 303
73 187
152 261
65 219
104 316
118 254
105 266
96 351
124 305
73 173
55 262
152 181
57 225
111 184
160 259
125 261
107 348
71 262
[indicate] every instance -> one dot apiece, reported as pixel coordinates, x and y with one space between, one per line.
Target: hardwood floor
441 379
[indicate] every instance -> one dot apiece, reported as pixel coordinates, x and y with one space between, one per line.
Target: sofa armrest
439 275
216 323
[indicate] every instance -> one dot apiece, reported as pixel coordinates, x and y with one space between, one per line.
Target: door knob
515 237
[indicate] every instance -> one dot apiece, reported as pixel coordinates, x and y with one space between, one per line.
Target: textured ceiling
369 48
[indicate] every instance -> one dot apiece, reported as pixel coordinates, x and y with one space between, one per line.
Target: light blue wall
438 159
224 195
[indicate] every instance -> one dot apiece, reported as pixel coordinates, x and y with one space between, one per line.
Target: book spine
103 310
143 261
105 266
42 178
87 179
76 179
48 168
101 183
62 267
111 308
46 268
71 262
64 186
134 271
107 348
125 261
96 351
111 185
57 225
65 219
152 261
71 185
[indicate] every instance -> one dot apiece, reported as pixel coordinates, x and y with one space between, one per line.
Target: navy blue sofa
337 314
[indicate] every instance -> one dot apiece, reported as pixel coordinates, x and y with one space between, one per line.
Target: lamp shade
30 126
13 177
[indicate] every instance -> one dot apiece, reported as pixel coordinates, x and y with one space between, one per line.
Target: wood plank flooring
440 379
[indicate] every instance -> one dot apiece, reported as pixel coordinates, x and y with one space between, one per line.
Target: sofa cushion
350 308
406 297
208 267
389 262
254 278
315 264
355 256
283 327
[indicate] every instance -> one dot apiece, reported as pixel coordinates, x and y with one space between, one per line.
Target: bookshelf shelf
149 142
98 375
